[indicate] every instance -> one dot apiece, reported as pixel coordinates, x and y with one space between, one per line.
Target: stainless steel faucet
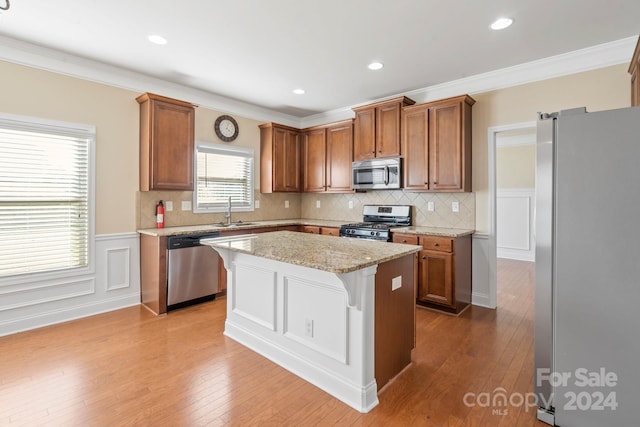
228 214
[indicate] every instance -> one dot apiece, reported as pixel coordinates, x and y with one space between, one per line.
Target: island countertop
325 253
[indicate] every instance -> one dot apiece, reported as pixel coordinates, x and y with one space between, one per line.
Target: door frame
492 136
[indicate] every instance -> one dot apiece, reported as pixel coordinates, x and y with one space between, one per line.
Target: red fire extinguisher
160 215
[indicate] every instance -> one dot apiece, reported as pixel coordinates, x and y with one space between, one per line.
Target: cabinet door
388 130
286 160
172 138
436 281
313 160
415 148
446 147
364 134
339 149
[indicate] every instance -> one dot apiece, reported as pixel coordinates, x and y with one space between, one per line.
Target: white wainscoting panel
315 315
480 271
114 283
515 224
256 301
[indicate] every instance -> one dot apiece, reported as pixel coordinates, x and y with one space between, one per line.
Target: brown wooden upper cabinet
436 145
279 158
166 143
377 129
326 157
634 69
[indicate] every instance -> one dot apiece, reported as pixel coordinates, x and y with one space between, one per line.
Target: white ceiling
258 51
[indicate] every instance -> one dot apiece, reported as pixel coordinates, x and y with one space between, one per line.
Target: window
223 172
45 187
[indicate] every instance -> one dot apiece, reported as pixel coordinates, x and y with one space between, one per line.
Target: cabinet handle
404 241
424 257
434 183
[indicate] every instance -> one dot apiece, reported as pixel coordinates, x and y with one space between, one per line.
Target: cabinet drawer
433 243
408 239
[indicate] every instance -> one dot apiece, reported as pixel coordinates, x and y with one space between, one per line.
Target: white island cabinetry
339 313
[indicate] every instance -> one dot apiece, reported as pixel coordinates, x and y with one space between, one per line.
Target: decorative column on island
339 313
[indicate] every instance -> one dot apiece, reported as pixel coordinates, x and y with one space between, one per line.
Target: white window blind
223 171
44 196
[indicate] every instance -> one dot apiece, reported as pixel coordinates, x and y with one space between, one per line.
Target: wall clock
226 128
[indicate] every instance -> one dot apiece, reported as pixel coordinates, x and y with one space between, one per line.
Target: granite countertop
205 228
314 251
434 231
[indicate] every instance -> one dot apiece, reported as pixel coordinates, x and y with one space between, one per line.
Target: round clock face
226 128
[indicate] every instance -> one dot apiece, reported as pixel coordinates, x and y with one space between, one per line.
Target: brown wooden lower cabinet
394 318
444 271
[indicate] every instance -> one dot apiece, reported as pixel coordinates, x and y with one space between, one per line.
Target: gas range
378 221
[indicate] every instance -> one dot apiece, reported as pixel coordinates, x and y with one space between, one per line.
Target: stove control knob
377 233
373 233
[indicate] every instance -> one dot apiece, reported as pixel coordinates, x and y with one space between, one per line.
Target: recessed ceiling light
156 39
298 91
501 23
375 66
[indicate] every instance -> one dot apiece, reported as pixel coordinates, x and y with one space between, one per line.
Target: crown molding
591 58
47 59
31 55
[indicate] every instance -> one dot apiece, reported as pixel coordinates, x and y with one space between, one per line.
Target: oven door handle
386 175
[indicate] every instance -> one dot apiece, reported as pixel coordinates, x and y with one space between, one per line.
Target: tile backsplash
332 207
337 206
272 206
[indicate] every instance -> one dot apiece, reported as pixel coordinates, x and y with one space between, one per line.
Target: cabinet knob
434 183
436 244
379 151
424 257
404 241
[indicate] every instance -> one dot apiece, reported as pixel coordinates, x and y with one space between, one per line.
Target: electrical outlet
431 206
318 204
396 283
455 206
350 204
308 327
256 204
168 205
286 204
186 205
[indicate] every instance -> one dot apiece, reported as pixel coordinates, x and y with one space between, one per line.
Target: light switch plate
396 283
168 205
431 206
455 206
186 205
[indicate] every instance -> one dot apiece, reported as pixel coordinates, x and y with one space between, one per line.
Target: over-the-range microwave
377 174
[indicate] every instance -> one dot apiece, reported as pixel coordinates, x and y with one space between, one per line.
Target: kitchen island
339 313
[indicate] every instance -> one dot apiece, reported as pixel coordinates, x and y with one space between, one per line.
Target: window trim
245 151
37 124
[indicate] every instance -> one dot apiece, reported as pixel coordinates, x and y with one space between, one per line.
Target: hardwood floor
129 367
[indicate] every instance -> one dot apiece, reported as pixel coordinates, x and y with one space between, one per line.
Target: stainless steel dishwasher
192 270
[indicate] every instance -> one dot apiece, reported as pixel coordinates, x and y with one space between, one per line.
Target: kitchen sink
234 224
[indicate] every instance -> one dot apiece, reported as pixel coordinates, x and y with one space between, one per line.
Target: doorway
518 133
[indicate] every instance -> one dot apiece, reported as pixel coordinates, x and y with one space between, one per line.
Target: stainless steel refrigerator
587 297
